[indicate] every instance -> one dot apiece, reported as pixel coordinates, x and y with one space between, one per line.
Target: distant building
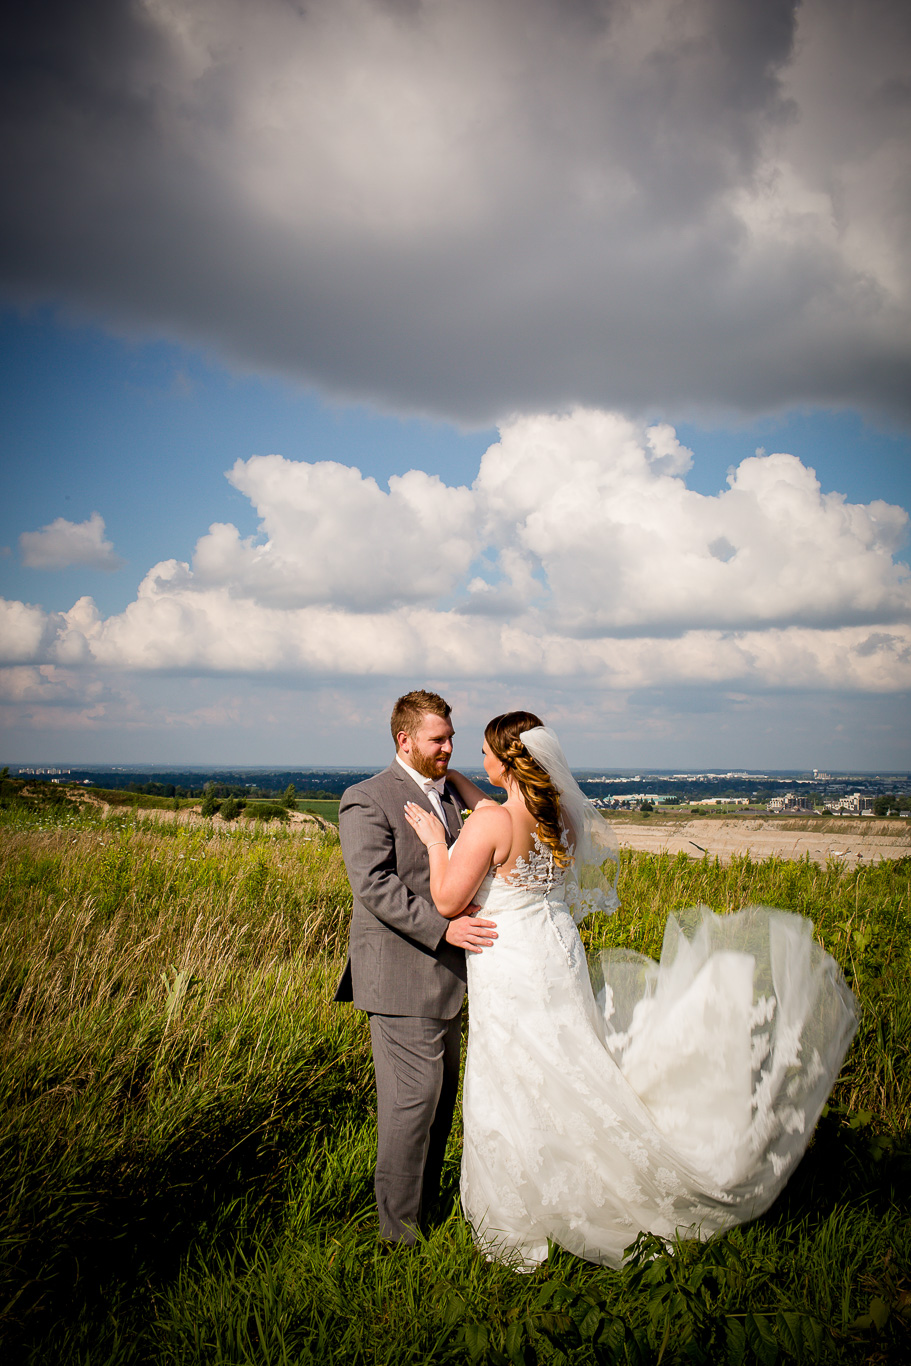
790 801
855 804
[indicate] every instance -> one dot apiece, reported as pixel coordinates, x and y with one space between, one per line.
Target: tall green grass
187 1129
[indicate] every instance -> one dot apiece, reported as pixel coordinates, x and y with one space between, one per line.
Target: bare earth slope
192 815
850 840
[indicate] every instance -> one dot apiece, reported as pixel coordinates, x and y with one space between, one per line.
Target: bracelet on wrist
435 843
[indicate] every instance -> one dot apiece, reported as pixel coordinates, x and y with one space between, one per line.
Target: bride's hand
428 828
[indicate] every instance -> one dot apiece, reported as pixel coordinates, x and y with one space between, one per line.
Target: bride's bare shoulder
489 827
489 816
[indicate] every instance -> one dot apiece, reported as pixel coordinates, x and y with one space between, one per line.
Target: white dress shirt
431 787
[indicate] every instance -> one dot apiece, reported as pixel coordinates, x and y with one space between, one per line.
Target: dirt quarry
852 841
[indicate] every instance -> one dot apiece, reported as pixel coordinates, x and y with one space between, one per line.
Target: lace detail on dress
583 902
539 872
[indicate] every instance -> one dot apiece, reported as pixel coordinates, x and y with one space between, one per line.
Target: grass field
326 808
186 1129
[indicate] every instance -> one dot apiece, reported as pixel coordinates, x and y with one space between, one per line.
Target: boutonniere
465 812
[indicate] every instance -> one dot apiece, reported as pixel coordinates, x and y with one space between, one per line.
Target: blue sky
597 357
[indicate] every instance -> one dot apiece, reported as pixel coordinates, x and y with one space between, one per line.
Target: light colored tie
436 801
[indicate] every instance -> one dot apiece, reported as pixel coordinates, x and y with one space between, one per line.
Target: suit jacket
398 960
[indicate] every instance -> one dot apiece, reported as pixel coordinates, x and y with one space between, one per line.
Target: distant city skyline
803 776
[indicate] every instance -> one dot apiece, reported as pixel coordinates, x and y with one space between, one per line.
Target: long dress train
674 1097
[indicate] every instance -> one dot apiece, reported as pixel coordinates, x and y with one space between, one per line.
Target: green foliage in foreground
186 1129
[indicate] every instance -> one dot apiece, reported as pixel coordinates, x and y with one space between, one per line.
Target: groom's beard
429 766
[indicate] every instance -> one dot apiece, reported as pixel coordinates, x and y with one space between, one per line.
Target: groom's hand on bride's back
467 932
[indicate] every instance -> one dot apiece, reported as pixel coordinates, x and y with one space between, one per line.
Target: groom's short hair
409 709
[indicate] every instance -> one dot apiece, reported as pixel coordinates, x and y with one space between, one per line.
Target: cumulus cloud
603 510
590 558
61 544
480 208
47 688
333 535
584 519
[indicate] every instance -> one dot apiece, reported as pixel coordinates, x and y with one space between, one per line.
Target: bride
603 1099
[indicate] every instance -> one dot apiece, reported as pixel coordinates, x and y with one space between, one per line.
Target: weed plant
187 1128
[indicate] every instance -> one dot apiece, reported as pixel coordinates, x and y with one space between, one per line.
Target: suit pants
416 1061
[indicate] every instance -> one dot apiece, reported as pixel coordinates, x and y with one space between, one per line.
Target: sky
551 355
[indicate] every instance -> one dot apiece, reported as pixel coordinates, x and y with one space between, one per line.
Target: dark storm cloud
479 208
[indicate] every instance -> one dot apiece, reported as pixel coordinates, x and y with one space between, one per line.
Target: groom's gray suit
411 982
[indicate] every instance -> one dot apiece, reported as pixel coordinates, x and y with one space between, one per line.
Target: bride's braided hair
538 792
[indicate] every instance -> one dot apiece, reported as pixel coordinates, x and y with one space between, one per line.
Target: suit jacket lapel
413 793
452 809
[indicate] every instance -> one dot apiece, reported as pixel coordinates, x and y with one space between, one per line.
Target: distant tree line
325 784
230 804
891 801
160 790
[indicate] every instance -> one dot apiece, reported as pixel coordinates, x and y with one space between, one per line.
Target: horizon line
45 767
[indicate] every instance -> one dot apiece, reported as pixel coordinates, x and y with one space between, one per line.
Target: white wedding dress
672 1097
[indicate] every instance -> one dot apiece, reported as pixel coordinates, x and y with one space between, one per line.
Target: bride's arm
485 839
470 794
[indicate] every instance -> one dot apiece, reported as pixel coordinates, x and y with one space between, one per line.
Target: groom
406 963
